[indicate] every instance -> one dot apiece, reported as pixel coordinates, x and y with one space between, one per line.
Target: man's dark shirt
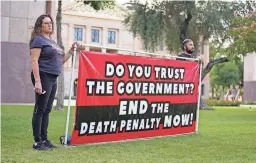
184 55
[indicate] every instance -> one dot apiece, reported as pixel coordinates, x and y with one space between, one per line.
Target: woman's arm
35 53
78 46
68 55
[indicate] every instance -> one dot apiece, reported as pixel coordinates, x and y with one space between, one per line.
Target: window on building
111 37
78 34
95 35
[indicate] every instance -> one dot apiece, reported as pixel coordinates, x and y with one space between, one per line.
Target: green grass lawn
225 135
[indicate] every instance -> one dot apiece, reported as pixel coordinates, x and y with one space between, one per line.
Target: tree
173 21
243 32
100 5
97 5
60 89
225 74
215 52
218 74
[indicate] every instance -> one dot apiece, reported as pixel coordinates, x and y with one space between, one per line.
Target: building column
70 41
119 40
104 39
88 36
134 44
119 37
104 36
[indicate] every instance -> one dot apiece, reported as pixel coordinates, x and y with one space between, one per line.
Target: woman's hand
38 87
79 46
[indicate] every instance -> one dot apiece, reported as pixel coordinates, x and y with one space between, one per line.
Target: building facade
79 23
99 28
104 28
250 77
17 21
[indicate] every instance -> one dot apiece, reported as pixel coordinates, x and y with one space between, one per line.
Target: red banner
122 97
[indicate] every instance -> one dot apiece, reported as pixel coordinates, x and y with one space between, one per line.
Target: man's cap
185 41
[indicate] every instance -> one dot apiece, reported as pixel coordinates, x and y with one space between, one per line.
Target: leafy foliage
101 4
174 21
222 103
143 22
243 31
225 74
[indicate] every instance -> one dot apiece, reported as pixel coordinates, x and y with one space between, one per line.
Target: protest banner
121 97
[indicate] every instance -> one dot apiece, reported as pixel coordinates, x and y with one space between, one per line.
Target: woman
47 59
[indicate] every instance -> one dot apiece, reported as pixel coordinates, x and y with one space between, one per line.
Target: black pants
43 105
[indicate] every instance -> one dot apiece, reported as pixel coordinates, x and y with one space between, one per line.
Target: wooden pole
49 7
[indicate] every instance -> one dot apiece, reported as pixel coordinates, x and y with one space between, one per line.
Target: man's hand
200 58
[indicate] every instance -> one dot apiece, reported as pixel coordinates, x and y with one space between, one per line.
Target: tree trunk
60 88
222 93
212 92
184 28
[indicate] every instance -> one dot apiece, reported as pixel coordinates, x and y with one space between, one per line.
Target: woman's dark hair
37 30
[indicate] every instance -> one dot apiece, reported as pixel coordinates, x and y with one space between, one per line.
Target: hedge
228 103
222 103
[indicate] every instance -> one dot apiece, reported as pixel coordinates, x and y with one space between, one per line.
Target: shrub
248 103
222 103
